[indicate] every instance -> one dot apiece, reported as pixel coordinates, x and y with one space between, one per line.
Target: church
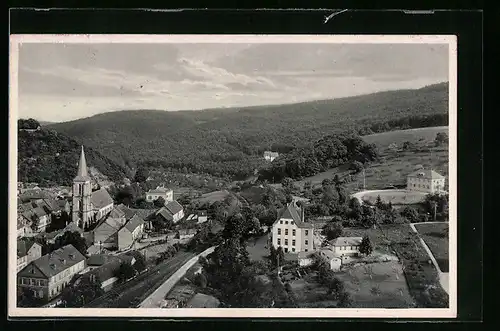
88 207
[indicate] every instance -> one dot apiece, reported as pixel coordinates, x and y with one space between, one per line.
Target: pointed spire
82 166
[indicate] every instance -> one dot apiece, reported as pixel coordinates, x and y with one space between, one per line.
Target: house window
281 222
293 242
292 222
286 250
293 249
286 232
286 222
307 232
279 241
305 250
307 242
293 232
279 231
286 242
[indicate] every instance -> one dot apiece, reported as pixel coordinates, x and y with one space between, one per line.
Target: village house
23 227
332 258
89 207
270 156
116 232
146 215
305 258
47 276
27 251
202 216
130 232
160 192
291 232
172 212
51 237
186 233
345 246
105 267
427 181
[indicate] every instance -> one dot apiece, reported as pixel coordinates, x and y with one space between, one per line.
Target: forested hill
228 141
48 157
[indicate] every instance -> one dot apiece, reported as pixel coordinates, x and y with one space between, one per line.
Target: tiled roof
165 213
39 212
105 271
55 262
23 246
173 207
142 213
100 259
291 212
427 174
346 241
116 213
134 223
101 198
328 253
159 190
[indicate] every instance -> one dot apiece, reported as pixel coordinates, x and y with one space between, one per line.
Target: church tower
82 192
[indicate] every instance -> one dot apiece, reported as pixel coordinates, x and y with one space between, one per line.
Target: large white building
427 181
291 232
160 192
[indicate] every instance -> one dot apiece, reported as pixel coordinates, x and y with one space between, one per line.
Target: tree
141 175
125 271
410 214
407 145
140 262
71 238
441 139
356 166
200 280
280 255
332 230
87 289
160 202
366 246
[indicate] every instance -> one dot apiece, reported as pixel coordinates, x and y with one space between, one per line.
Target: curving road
133 292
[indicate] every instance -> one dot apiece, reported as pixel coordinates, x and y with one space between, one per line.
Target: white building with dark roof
291 232
427 181
172 212
47 276
160 192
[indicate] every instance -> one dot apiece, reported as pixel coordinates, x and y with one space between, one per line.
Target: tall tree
160 202
74 238
88 289
366 246
332 230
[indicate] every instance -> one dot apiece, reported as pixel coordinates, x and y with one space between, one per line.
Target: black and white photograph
233 175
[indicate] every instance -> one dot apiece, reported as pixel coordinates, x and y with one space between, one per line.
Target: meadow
436 238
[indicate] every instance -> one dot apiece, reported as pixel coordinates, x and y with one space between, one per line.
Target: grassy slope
437 241
187 135
394 166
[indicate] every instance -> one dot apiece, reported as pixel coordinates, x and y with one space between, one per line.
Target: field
436 239
377 285
395 163
395 197
213 197
421 275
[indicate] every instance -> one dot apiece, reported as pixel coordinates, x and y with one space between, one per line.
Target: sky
61 82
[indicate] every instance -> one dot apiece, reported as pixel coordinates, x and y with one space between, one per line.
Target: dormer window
53 266
72 256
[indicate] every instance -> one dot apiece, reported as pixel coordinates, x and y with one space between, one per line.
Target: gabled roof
291 212
116 213
101 198
23 247
98 260
427 174
173 207
39 212
165 213
159 190
134 222
346 241
54 263
142 213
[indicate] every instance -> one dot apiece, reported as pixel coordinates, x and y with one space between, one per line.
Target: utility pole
364 180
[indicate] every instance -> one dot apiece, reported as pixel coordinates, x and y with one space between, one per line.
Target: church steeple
82 173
